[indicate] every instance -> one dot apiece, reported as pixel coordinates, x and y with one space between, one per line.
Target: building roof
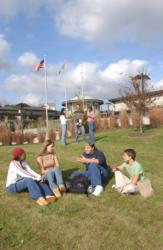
86 98
152 93
27 110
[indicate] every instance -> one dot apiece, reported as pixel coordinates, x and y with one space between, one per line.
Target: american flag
40 65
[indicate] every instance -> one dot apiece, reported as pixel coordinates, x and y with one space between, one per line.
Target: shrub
5 136
28 136
156 118
135 119
51 134
124 120
41 136
18 137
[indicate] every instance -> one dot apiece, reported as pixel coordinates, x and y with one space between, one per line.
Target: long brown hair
44 150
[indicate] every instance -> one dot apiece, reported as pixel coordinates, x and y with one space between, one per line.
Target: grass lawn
77 222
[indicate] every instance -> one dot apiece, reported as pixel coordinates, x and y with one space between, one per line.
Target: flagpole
82 87
65 76
46 99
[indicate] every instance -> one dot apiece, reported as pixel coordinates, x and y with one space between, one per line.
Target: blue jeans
63 136
36 189
82 130
54 177
91 131
96 174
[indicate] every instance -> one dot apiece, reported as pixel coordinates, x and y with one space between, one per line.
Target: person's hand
38 178
82 159
114 169
42 180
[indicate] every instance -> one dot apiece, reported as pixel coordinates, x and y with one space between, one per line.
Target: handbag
145 187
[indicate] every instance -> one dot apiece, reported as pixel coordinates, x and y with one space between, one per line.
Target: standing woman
63 121
22 178
91 121
50 170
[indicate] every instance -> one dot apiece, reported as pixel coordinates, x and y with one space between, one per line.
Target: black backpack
79 184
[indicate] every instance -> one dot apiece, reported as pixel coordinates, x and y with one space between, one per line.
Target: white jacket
18 170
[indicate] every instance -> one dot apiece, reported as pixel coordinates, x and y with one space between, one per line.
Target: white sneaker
98 190
90 190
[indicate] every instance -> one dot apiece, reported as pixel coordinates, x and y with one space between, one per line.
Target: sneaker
41 201
57 192
50 198
98 190
90 189
62 188
114 186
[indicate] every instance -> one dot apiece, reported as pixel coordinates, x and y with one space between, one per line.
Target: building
117 106
88 101
24 113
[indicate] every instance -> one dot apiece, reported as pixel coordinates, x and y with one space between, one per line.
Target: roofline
87 100
120 99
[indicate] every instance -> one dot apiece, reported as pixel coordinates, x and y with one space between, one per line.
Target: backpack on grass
79 184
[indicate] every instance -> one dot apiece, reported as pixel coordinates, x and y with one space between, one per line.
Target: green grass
77 222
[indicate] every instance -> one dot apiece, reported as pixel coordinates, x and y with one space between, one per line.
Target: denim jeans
82 130
63 136
91 131
36 189
54 177
96 174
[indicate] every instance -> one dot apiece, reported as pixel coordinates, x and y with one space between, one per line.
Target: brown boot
62 188
57 193
41 201
50 198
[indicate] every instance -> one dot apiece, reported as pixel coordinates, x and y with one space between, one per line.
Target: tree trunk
141 123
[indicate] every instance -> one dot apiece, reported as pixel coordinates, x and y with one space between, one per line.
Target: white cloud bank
5 48
98 82
100 21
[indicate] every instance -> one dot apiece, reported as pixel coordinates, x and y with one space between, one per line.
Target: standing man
78 120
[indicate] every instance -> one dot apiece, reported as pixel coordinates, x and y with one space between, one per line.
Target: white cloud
158 85
4 52
113 20
99 21
28 59
11 8
97 82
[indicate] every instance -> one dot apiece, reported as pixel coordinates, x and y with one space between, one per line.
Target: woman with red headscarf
22 178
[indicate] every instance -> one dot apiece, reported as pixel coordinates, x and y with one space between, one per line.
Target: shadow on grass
99 138
67 173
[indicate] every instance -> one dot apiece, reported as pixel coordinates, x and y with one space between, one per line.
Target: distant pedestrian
78 121
63 121
91 122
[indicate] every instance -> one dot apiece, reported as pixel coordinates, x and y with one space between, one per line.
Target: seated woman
22 178
50 170
124 184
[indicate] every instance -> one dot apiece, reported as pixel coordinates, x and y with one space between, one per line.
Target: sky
103 42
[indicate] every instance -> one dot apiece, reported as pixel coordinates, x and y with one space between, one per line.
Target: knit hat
17 152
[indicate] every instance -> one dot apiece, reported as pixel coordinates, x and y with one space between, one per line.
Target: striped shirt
18 170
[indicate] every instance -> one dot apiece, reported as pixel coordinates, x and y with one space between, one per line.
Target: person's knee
93 167
117 173
29 180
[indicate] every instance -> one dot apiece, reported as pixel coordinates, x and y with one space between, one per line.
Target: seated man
96 168
134 170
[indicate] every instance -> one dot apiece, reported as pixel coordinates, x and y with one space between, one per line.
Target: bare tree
138 96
